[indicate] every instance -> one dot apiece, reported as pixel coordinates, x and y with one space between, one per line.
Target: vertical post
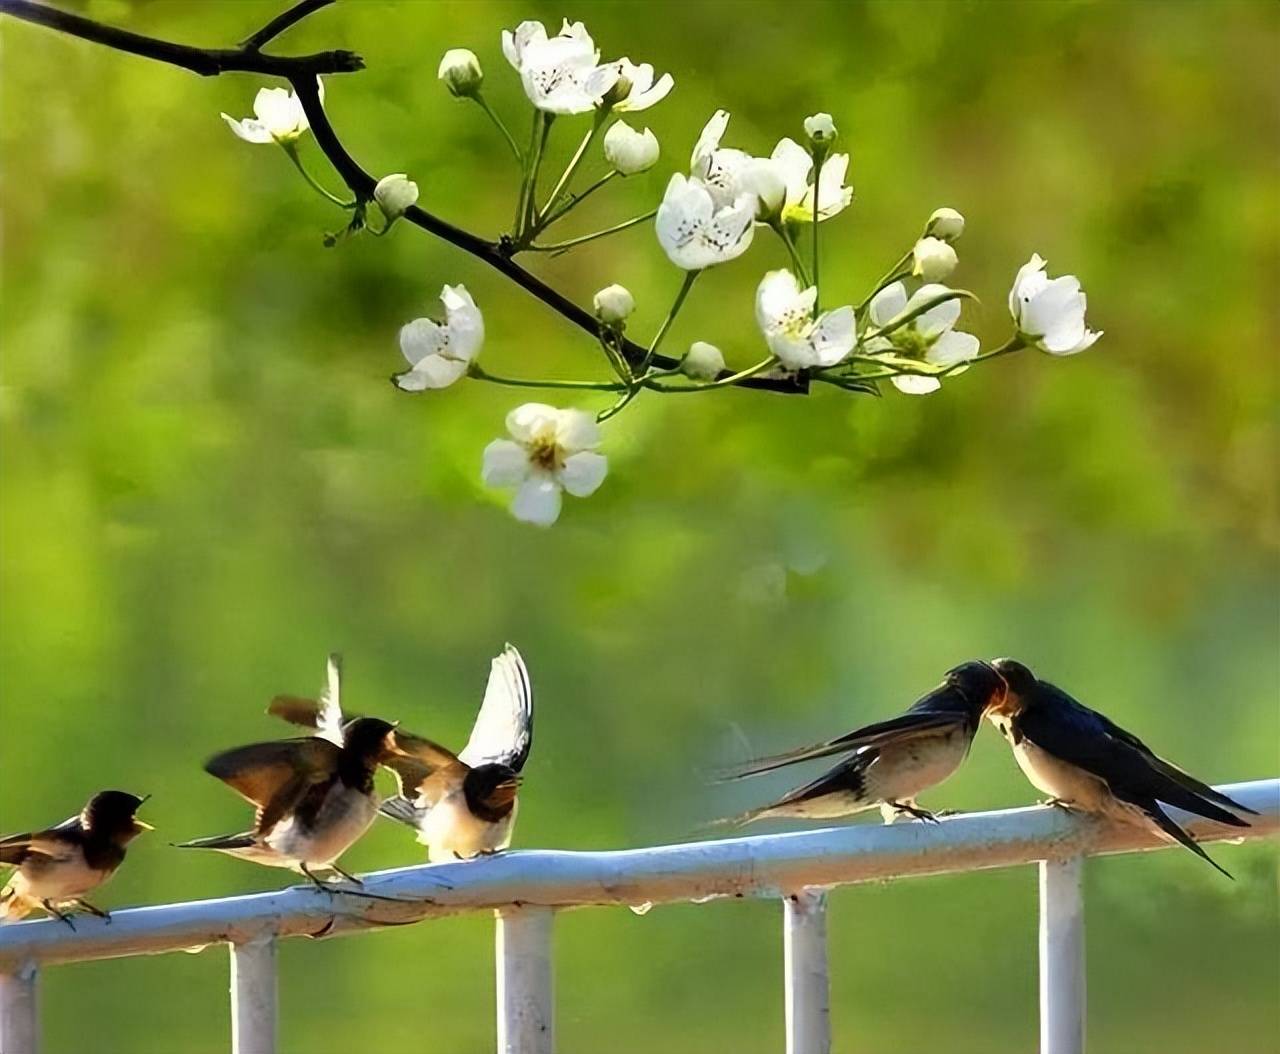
1062 956
808 991
253 997
20 1011
526 1010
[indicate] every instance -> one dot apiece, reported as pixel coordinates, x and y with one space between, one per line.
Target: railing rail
527 887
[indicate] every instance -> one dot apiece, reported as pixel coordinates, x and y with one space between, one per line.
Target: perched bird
315 796
1084 761
57 867
462 805
890 762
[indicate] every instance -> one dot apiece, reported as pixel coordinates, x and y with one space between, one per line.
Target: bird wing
912 724
325 714
274 776
1072 732
15 848
426 772
503 732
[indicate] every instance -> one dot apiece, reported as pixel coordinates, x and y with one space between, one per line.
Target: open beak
142 824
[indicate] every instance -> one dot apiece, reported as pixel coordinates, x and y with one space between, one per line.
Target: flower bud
820 129
704 362
933 259
613 304
394 194
630 151
763 178
946 224
460 70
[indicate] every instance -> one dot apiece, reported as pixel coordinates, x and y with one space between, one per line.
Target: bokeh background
206 483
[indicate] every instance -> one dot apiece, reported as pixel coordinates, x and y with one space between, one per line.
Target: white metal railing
526 888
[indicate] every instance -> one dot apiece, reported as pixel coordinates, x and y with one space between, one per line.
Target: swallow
462 805
1086 762
57 867
890 762
315 796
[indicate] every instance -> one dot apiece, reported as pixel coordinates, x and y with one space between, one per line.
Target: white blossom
394 194
933 259
793 163
439 352
549 451
613 303
555 71
460 70
929 337
719 169
702 362
630 151
946 224
694 232
626 87
784 313
820 128
1049 313
278 117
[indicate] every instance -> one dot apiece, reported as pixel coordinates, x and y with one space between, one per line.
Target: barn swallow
57 867
891 761
314 796
462 805
1084 761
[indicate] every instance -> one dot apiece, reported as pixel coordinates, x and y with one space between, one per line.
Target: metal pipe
1062 984
20 1010
808 990
253 997
526 1005
766 866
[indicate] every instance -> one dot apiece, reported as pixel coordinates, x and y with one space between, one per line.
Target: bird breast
1060 779
451 830
343 816
56 878
911 766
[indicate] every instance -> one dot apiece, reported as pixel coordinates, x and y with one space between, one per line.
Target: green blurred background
206 483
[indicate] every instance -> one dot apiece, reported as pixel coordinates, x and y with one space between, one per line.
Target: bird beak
142 824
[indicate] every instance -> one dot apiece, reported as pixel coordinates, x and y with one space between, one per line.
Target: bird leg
1055 803
914 810
315 881
91 909
349 877
48 906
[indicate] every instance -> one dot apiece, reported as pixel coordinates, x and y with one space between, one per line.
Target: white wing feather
503 731
329 716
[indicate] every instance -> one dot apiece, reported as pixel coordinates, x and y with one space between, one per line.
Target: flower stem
517 230
574 200
480 374
689 278
597 123
818 157
1014 343
540 147
291 149
563 246
892 275
483 103
780 229
721 382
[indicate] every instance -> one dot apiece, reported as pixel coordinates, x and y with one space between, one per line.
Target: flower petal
583 473
420 338
537 501
1028 282
433 371
914 384
888 304
532 421
251 130
506 464
937 319
952 347
576 430
833 335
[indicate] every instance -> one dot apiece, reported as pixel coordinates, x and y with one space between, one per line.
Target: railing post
1062 987
808 991
253 997
526 1009
20 1011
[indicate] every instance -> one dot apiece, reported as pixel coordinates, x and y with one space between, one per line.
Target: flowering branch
903 331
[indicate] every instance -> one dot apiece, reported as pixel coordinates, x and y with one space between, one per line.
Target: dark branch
285 20
301 72
208 62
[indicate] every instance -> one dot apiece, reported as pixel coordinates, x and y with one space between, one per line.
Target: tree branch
301 72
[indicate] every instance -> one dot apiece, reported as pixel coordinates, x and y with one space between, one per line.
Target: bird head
979 682
370 738
491 787
111 813
1018 677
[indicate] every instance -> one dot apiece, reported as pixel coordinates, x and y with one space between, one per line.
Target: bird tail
224 842
1165 823
401 809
